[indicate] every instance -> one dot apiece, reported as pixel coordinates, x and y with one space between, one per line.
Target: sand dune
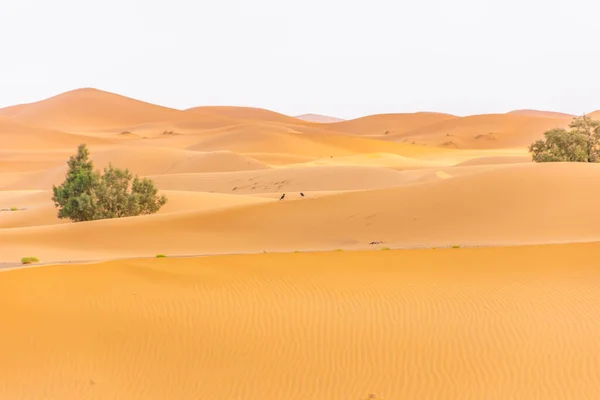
497 206
480 323
540 113
35 208
246 113
496 323
385 160
318 118
485 131
160 160
11 111
251 140
14 135
283 180
388 124
92 110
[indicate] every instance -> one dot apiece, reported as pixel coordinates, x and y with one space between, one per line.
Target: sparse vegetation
580 143
14 209
161 256
29 260
385 248
456 247
87 195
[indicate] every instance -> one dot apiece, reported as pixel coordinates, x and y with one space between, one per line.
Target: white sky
341 58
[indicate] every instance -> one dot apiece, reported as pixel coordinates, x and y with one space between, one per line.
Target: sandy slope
491 323
91 109
35 207
388 124
486 131
246 113
540 113
469 323
505 205
14 135
318 118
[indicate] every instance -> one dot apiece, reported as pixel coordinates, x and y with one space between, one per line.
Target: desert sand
416 255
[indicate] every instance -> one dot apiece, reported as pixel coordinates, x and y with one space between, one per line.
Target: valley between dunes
414 256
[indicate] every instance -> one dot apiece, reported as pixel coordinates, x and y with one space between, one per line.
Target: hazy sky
344 58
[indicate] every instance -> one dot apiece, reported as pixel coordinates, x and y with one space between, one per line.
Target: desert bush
161 256
88 195
14 209
580 143
29 260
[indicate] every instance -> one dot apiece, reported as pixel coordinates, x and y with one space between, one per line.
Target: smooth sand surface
318 118
512 318
496 323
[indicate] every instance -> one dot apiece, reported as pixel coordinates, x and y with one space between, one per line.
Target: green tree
581 143
75 198
87 195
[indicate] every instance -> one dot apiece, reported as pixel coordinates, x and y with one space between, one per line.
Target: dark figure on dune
282 197
301 194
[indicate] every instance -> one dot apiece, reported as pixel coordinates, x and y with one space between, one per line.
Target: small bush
29 260
580 143
88 195
456 247
385 248
14 209
161 256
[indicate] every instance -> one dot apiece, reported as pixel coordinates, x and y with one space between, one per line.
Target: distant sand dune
388 124
492 324
91 109
246 113
318 118
486 131
539 113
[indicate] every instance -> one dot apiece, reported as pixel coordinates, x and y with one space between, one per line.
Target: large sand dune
388 124
14 135
91 110
503 323
246 113
512 320
318 118
486 131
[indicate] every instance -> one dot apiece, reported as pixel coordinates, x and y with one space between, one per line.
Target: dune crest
318 118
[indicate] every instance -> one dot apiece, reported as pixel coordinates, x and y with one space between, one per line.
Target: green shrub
29 260
87 195
456 247
385 248
161 256
14 209
581 143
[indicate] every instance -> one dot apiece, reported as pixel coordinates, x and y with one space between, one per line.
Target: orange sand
494 323
497 323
